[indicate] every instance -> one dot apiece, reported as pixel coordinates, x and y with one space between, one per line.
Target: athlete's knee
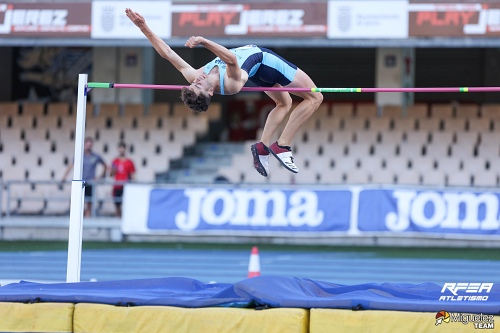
315 99
285 103
318 99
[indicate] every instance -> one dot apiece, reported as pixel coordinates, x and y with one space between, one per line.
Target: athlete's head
197 96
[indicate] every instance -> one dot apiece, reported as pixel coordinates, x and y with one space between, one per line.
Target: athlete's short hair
199 103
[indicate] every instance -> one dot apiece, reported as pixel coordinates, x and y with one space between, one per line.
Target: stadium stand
310 177
490 111
392 111
418 110
454 124
382 176
58 109
357 176
434 178
332 176
381 124
442 111
10 109
466 110
459 178
424 144
35 109
37 143
342 110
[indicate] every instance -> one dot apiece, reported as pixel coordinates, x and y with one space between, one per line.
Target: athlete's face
201 85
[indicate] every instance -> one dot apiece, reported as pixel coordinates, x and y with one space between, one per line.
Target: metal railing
52 198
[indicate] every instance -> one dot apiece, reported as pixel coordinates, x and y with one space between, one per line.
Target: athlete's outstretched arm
233 70
161 47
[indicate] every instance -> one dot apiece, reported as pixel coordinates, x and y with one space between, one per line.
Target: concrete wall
395 67
121 65
389 74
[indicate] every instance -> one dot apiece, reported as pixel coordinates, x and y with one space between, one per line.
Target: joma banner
429 211
157 210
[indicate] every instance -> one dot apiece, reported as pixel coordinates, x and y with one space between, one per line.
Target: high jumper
229 72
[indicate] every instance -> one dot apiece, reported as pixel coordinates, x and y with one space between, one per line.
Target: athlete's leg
304 110
283 104
260 150
281 152
281 149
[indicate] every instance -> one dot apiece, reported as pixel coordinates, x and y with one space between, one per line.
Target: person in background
90 162
123 170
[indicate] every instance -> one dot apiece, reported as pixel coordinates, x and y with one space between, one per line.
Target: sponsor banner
454 19
211 209
368 19
428 211
54 19
285 19
109 19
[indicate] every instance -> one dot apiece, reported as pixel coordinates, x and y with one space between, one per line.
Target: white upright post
77 188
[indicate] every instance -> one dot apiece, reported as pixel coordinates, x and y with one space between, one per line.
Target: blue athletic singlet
264 67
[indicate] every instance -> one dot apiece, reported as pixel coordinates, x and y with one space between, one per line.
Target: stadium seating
392 111
10 109
443 144
37 143
466 110
434 145
490 111
58 109
442 111
418 110
332 176
342 110
434 178
459 178
382 177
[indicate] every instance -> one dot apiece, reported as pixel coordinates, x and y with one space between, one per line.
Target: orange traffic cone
254 264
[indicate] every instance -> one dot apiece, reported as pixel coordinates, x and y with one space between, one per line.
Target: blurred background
376 169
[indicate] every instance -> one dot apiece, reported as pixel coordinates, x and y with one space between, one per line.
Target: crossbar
314 89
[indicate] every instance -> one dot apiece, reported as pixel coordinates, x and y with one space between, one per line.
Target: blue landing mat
263 291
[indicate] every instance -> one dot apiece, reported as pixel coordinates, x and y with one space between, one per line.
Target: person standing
90 162
123 170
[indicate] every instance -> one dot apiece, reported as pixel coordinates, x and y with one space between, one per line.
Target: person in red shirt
123 169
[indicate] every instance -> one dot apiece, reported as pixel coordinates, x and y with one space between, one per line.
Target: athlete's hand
135 17
194 41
